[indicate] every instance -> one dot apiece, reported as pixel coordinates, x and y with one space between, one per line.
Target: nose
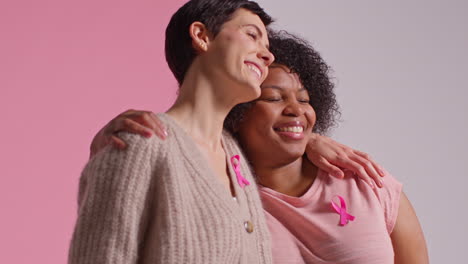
293 108
266 56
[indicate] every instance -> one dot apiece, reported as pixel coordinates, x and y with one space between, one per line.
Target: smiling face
238 57
278 125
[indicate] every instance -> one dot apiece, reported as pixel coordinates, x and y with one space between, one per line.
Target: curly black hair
301 58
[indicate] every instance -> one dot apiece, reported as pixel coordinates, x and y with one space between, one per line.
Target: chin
292 153
256 92
255 87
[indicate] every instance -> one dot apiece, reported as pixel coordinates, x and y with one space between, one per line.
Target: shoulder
352 182
385 199
135 144
391 188
141 154
114 174
389 196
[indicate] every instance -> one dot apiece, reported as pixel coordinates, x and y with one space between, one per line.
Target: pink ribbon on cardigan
236 166
344 216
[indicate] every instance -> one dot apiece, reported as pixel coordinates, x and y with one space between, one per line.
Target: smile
294 129
255 69
290 130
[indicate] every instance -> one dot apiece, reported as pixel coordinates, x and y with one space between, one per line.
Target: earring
202 44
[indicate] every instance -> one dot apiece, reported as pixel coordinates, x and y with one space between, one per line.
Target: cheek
245 44
268 112
265 74
259 120
235 40
310 116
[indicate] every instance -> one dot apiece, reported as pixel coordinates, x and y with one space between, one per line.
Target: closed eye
271 99
252 35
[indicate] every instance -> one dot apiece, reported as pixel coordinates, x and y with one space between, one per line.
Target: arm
332 157
113 205
407 236
324 152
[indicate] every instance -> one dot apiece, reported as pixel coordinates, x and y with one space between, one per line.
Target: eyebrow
258 31
280 88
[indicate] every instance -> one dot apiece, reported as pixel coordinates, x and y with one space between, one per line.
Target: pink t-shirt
307 229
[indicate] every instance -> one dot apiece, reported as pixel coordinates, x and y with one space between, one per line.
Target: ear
199 34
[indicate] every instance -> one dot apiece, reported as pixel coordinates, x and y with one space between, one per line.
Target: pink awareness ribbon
236 165
344 216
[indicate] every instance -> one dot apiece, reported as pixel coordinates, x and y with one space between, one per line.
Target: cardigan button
248 226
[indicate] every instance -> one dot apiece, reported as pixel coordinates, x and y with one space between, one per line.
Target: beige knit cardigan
160 202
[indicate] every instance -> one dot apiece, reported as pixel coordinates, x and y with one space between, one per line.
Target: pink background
66 68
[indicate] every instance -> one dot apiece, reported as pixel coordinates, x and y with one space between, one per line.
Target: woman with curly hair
312 217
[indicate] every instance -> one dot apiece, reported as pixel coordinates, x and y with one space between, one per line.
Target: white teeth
255 69
295 129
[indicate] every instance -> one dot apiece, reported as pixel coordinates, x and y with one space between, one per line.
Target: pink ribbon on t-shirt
344 216
236 165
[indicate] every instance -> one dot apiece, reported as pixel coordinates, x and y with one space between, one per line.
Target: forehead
280 75
242 17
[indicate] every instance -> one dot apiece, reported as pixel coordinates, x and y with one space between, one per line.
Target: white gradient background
67 67
401 70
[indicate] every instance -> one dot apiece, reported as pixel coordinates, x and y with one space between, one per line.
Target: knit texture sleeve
113 200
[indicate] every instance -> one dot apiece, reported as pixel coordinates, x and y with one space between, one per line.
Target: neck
200 109
292 179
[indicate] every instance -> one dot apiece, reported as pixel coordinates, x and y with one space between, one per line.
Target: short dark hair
213 14
301 58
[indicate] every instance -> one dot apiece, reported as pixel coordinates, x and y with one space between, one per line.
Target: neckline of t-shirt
302 200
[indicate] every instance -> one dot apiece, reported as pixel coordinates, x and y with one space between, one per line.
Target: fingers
376 166
330 155
160 128
131 126
331 169
117 142
139 122
357 168
148 123
143 123
369 168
